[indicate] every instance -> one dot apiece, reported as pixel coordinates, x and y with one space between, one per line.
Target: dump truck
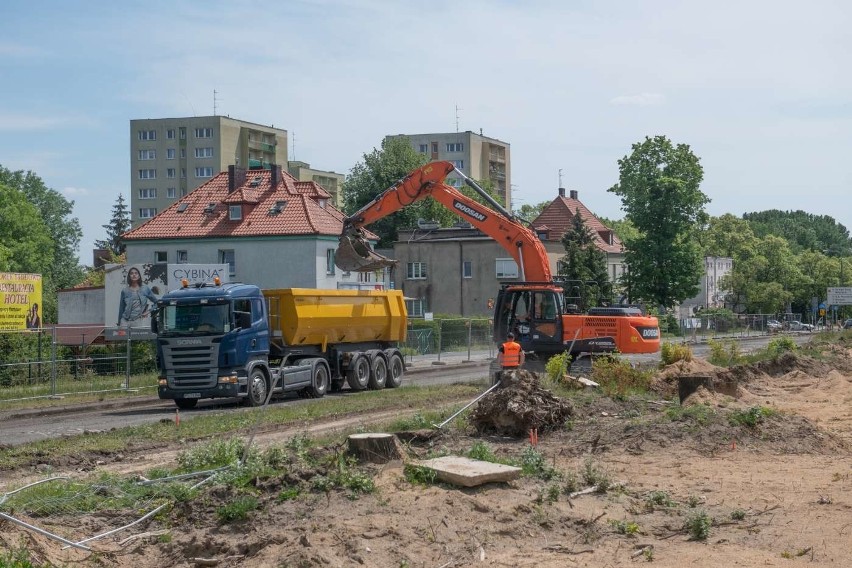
238 341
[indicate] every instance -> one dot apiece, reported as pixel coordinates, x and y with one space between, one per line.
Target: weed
419 475
593 475
557 366
738 514
19 558
658 499
289 493
617 377
698 413
237 510
724 353
628 528
533 464
571 483
482 451
750 417
648 554
787 554
552 494
779 346
210 455
698 525
692 501
674 352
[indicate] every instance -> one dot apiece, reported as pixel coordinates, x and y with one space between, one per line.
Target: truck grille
191 366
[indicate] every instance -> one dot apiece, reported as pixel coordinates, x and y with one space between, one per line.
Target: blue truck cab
210 339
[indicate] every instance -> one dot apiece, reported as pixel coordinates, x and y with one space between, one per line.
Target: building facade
169 157
479 157
332 182
271 229
711 294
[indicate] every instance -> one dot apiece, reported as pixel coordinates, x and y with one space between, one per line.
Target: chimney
573 194
276 175
236 178
561 192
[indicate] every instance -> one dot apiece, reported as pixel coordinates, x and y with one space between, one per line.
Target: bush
618 378
750 417
557 366
780 345
674 352
698 525
724 353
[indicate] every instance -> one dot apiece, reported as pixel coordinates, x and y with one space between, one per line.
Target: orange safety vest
511 355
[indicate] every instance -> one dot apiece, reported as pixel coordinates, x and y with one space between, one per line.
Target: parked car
773 325
847 324
796 325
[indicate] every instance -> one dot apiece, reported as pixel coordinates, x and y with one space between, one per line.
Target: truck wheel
257 388
396 369
378 372
319 384
358 375
186 403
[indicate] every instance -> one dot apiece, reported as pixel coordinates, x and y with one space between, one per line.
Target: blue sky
760 90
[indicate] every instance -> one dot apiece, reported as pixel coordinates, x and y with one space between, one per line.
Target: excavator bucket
354 254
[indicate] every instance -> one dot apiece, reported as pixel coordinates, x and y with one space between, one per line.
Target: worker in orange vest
510 355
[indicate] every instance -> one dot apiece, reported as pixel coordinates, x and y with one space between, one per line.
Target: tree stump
375 447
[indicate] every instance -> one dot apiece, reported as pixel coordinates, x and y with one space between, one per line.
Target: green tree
25 243
64 229
383 168
529 212
659 189
802 230
583 260
622 228
118 224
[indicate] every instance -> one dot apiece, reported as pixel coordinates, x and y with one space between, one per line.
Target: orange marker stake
177 417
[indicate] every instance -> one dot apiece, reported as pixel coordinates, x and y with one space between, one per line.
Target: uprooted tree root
519 405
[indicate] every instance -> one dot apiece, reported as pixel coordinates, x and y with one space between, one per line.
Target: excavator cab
533 314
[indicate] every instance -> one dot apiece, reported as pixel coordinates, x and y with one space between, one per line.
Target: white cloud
74 191
642 99
10 122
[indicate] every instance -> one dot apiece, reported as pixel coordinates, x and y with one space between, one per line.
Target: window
203 172
182 257
507 268
467 269
329 261
147 154
161 257
459 164
182 131
455 182
183 173
170 133
171 193
414 307
204 133
424 148
235 212
148 193
182 153
170 173
147 135
455 147
204 152
416 271
147 212
170 153
147 174
226 256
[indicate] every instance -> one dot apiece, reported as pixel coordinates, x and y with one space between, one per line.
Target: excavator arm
354 252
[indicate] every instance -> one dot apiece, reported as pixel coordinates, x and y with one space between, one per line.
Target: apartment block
332 182
169 157
478 156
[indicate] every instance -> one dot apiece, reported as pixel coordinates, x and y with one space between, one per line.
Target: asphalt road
23 426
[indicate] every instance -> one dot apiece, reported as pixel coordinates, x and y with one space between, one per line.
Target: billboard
131 292
20 301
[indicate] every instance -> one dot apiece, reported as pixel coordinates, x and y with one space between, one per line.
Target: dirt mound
519 405
789 361
666 381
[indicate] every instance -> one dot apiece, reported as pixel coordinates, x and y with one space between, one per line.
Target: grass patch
673 352
419 475
628 528
237 510
724 353
700 414
656 499
208 425
533 464
750 417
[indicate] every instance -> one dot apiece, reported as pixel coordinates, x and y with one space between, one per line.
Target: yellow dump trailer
304 316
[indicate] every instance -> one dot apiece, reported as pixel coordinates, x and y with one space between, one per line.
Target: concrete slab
470 473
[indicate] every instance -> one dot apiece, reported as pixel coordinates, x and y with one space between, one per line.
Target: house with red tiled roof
555 220
272 231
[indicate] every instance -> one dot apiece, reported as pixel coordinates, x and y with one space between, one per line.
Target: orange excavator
542 313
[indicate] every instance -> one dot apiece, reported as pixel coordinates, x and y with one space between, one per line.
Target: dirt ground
771 493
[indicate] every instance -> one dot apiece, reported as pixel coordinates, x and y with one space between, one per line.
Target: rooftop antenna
560 177
214 102
457 117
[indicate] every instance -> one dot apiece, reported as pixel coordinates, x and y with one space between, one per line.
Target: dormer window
322 202
542 235
235 212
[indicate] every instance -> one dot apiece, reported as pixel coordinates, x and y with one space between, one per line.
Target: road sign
840 296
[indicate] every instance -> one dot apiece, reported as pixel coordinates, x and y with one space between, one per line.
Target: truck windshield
195 319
